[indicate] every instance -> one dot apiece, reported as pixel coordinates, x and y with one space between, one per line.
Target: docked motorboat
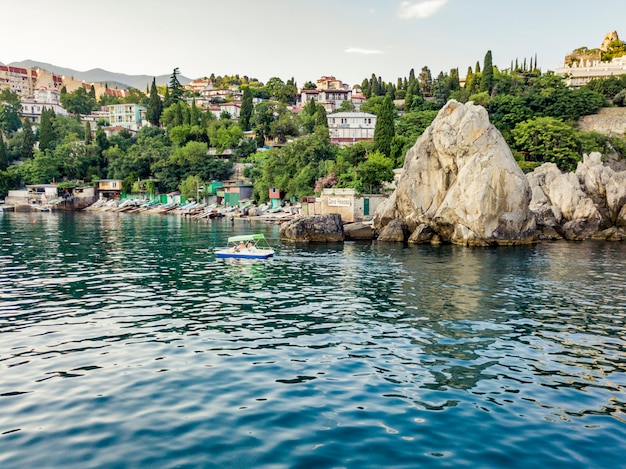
253 246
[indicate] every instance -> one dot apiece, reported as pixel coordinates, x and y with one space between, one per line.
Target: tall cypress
385 129
87 133
155 106
246 109
4 155
28 140
46 130
486 80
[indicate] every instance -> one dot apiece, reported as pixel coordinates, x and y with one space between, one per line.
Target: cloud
357 50
420 10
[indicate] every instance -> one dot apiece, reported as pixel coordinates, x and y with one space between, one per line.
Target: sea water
124 342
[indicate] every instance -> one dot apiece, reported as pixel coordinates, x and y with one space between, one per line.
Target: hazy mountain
114 80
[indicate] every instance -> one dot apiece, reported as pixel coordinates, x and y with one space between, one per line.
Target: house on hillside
348 128
129 116
43 99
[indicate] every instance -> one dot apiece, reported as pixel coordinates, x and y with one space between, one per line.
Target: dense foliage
186 146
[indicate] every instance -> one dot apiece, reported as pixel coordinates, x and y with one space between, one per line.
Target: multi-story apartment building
24 81
21 81
129 116
348 128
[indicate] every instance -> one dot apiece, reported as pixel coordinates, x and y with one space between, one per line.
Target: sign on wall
339 202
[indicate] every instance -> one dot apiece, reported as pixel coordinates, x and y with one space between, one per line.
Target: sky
304 40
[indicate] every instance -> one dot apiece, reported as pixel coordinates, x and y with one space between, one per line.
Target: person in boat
249 245
241 246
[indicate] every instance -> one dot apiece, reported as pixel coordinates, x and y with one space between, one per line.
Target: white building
579 74
348 128
43 99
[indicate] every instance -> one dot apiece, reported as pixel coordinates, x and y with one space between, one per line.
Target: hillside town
350 116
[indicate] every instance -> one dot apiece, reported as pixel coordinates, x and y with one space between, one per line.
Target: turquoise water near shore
125 343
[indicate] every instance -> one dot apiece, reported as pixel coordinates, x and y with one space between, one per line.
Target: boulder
395 231
315 229
461 180
358 231
586 204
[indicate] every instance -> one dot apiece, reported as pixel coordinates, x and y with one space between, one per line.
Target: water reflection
405 346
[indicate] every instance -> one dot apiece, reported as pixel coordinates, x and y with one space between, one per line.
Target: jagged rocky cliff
461 184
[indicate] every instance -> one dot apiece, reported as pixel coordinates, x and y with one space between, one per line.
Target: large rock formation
315 228
590 203
461 184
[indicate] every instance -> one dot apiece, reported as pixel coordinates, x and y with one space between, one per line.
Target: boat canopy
252 237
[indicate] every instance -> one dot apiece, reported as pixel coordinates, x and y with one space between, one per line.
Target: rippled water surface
124 342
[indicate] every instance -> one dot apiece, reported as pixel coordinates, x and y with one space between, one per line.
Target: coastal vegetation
185 145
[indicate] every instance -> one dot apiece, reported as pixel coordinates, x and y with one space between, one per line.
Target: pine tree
175 86
46 130
385 128
246 109
155 106
486 80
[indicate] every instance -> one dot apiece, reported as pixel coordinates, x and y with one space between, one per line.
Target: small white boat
252 246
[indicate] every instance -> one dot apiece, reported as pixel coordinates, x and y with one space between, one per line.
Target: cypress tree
246 109
426 81
28 140
321 119
486 80
46 130
87 134
155 106
179 119
167 99
194 114
385 129
4 155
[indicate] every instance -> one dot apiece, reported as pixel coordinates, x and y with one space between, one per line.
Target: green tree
246 109
547 139
155 106
10 111
374 171
46 130
425 81
4 155
385 129
486 80
28 140
190 187
78 102
176 89
87 134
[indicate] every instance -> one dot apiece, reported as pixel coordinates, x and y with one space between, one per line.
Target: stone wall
609 121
